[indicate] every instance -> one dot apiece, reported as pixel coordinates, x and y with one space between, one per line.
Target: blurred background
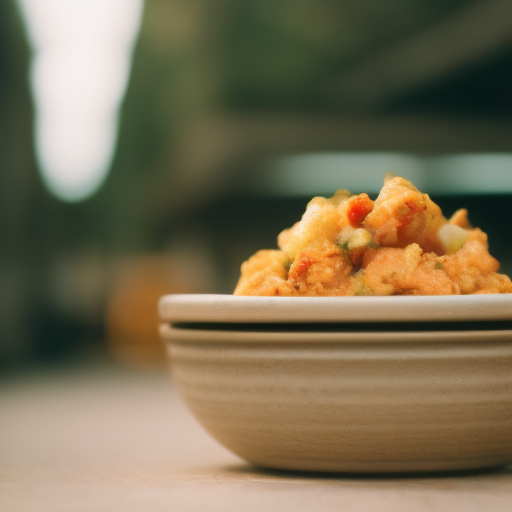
149 147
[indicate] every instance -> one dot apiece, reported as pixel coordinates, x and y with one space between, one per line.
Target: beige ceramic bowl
305 384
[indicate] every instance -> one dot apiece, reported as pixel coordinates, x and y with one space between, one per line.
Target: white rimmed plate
241 309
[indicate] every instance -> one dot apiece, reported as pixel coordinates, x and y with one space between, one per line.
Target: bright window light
79 72
485 173
323 173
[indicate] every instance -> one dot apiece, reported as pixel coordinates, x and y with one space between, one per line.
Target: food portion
399 244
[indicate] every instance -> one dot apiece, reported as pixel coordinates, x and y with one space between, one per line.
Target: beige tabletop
105 439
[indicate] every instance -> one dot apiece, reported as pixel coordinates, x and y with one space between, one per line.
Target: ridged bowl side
372 405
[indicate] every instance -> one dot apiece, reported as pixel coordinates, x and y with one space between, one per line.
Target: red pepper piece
414 209
359 207
301 267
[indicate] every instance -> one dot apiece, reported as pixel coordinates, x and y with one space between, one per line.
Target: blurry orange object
131 309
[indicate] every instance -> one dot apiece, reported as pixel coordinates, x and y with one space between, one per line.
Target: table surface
102 438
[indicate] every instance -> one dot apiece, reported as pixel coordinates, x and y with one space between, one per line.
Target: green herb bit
363 290
342 245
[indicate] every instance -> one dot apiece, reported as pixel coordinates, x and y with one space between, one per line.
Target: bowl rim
224 308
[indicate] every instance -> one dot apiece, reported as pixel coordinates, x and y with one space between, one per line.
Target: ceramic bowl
389 384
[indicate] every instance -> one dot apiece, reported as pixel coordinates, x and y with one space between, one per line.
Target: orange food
399 244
